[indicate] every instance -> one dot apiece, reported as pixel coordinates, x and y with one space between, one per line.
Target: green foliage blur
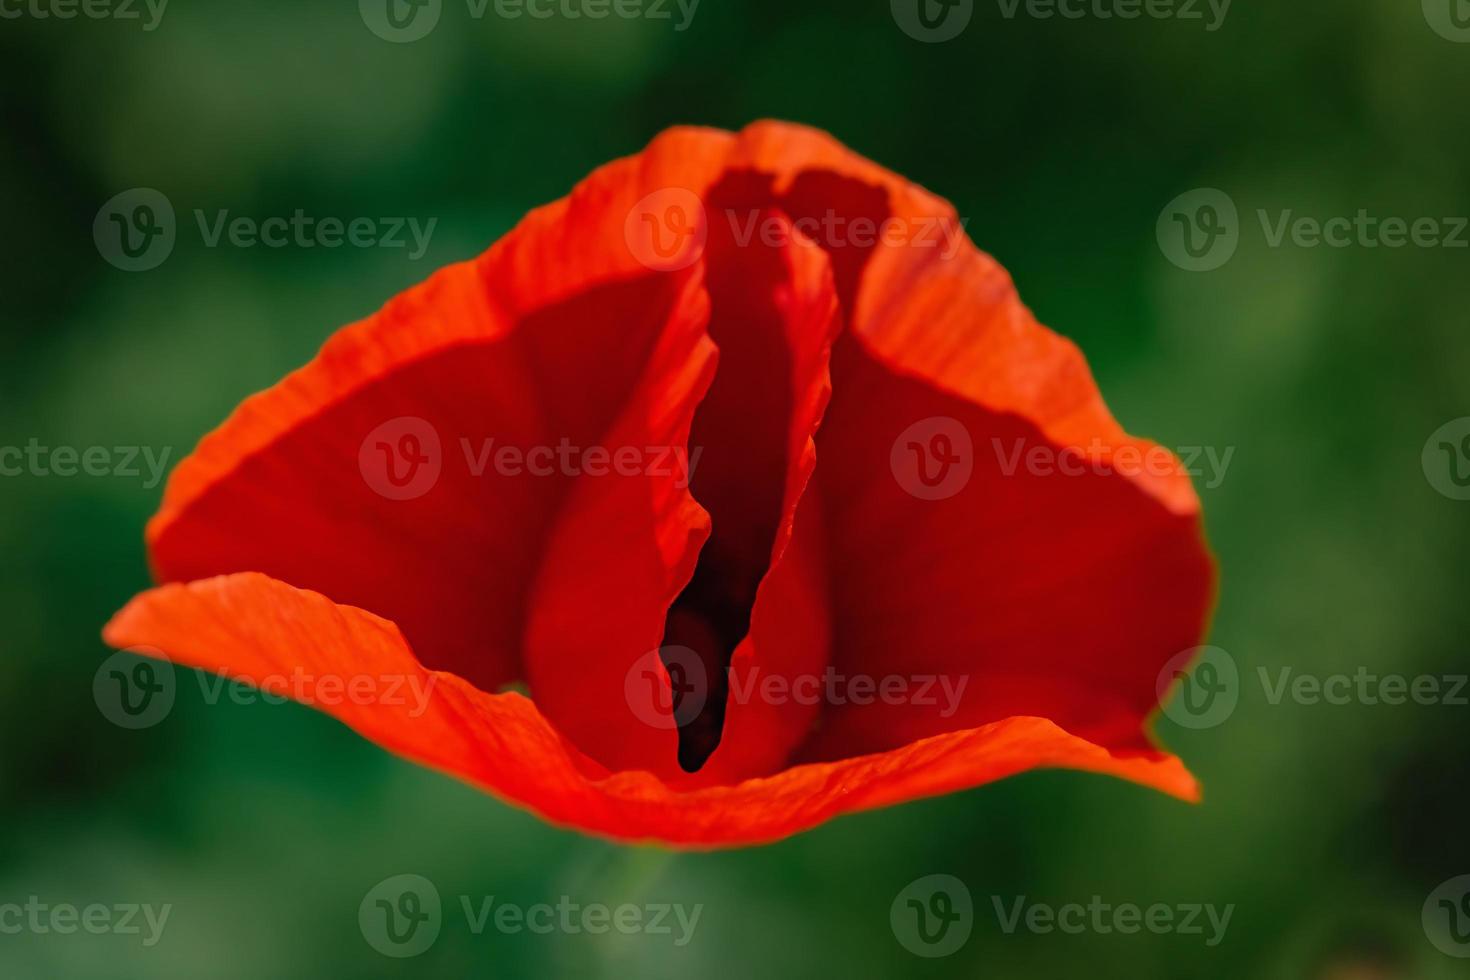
1324 368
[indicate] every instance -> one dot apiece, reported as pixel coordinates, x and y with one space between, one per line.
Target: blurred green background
1326 369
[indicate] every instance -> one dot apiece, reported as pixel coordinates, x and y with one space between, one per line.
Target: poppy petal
1053 594
253 628
376 463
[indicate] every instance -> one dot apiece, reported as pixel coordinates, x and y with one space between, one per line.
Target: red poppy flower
908 560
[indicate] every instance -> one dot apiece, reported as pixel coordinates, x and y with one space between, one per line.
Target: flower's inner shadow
743 426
